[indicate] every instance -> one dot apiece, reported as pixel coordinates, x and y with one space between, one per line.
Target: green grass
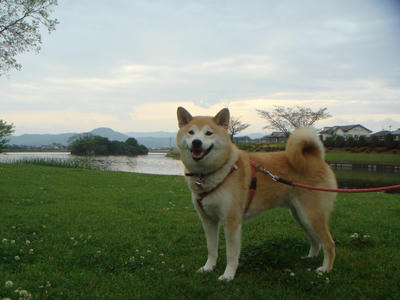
112 235
346 156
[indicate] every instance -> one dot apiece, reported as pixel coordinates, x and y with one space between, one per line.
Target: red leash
310 187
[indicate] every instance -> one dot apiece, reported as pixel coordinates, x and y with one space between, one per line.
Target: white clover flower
148 251
366 236
12 242
9 284
327 281
354 235
24 294
4 241
31 251
131 259
292 274
28 242
48 284
17 258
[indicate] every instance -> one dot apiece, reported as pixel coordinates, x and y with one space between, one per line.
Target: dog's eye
191 132
209 133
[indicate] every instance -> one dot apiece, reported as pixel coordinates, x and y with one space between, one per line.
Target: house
381 134
242 140
354 131
274 137
396 134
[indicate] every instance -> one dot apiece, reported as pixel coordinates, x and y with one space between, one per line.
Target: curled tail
303 148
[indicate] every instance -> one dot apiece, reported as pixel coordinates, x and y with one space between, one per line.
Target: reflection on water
153 163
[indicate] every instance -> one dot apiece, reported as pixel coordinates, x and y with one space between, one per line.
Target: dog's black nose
197 144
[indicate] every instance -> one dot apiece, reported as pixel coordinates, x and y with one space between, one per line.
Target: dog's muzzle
198 153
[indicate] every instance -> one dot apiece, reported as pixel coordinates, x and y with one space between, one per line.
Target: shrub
350 142
362 141
389 141
339 141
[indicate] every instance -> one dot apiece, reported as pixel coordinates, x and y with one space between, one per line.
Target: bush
339 141
362 141
389 141
374 142
329 141
350 142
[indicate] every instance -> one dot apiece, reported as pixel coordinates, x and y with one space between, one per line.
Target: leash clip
200 184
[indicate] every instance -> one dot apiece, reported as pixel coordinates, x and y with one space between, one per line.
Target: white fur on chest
216 205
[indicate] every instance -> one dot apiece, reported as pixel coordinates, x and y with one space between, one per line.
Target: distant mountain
40 139
110 134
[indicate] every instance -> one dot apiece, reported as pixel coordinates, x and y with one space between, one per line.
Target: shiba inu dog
226 189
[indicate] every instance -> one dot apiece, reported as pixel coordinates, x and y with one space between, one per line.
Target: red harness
252 188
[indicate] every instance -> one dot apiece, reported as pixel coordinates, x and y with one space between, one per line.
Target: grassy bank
345 156
86 234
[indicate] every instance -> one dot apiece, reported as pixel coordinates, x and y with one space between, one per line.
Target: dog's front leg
232 235
211 229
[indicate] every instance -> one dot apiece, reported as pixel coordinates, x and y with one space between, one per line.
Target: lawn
87 234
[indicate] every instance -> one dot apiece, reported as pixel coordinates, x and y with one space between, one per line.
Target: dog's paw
205 269
322 269
226 278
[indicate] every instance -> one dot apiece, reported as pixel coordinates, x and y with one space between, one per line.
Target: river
159 163
153 163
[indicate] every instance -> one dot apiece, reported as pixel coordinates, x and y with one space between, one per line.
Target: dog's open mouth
199 154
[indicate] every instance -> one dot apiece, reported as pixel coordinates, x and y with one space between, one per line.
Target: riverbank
76 233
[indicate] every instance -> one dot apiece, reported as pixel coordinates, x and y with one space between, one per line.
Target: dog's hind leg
315 222
315 244
211 229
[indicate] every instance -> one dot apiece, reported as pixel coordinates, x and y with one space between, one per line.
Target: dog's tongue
198 153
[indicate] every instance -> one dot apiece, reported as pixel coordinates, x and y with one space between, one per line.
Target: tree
5 130
389 141
285 119
89 144
340 142
20 24
236 126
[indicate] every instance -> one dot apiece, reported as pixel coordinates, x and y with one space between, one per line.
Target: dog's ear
222 118
184 117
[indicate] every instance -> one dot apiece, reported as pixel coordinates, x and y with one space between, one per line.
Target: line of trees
338 141
88 144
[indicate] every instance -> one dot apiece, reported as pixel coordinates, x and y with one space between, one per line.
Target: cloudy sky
129 64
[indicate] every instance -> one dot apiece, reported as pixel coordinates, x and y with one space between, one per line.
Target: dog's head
203 141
